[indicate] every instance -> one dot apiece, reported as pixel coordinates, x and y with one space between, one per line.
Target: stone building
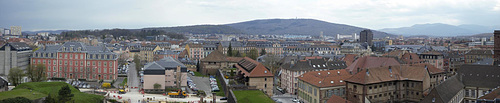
258 75
319 86
292 69
396 84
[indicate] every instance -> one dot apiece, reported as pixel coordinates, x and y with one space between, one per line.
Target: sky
35 15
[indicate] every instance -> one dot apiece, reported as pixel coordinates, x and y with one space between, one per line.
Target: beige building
257 75
15 30
146 53
319 86
394 84
168 72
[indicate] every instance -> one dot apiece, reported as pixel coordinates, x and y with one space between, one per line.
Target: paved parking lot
202 83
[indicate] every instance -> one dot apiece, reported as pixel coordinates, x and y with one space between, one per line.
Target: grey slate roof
19 46
445 91
313 64
483 76
79 47
159 67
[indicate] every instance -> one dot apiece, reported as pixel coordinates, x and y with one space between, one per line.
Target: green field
45 88
21 93
252 96
198 74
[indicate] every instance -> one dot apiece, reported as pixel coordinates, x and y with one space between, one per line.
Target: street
202 83
133 81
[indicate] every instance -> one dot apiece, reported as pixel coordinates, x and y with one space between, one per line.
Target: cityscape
250 52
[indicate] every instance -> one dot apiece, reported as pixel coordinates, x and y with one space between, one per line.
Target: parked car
223 98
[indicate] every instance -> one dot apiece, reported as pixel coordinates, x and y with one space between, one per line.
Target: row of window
80 76
76 63
80 69
75 56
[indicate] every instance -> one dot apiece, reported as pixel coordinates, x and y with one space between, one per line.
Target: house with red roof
319 86
256 75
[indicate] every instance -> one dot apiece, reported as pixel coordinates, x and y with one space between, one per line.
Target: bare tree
36 73
16 75
271 62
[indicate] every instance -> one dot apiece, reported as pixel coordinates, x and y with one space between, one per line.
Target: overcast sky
373 14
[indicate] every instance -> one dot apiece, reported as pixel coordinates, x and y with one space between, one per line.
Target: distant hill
482 35
439 29
200 29
299 26
49 31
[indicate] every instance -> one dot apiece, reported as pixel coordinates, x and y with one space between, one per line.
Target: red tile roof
349 58
411 58
371 62
252 68
431 68
329 78
337 99
389 73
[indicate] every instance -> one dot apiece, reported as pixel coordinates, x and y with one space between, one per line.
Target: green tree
16 75
230 50
137 61
49 99
65 94
253 54
263 51
157 86
238 54
36 72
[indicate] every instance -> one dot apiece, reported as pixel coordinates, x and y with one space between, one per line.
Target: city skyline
78 15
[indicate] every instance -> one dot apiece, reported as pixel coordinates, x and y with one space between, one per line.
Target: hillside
482 35
200 29
299 26
439 29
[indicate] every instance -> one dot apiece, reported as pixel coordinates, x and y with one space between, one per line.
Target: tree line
36 73
128 34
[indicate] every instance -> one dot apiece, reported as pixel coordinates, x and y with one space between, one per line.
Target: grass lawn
221 92
52 88
21 93
252 96
198 74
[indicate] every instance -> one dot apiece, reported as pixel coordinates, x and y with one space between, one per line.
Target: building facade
366 36
168 72
394 84
319 86
14 54
291 70
15 30
75 60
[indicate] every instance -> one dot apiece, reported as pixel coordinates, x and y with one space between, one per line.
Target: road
133 81
202 83
284 98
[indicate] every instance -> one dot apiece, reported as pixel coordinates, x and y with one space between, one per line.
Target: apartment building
75 60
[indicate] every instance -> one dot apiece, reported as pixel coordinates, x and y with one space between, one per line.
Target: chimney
358 70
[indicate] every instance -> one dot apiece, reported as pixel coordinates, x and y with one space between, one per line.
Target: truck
178 94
